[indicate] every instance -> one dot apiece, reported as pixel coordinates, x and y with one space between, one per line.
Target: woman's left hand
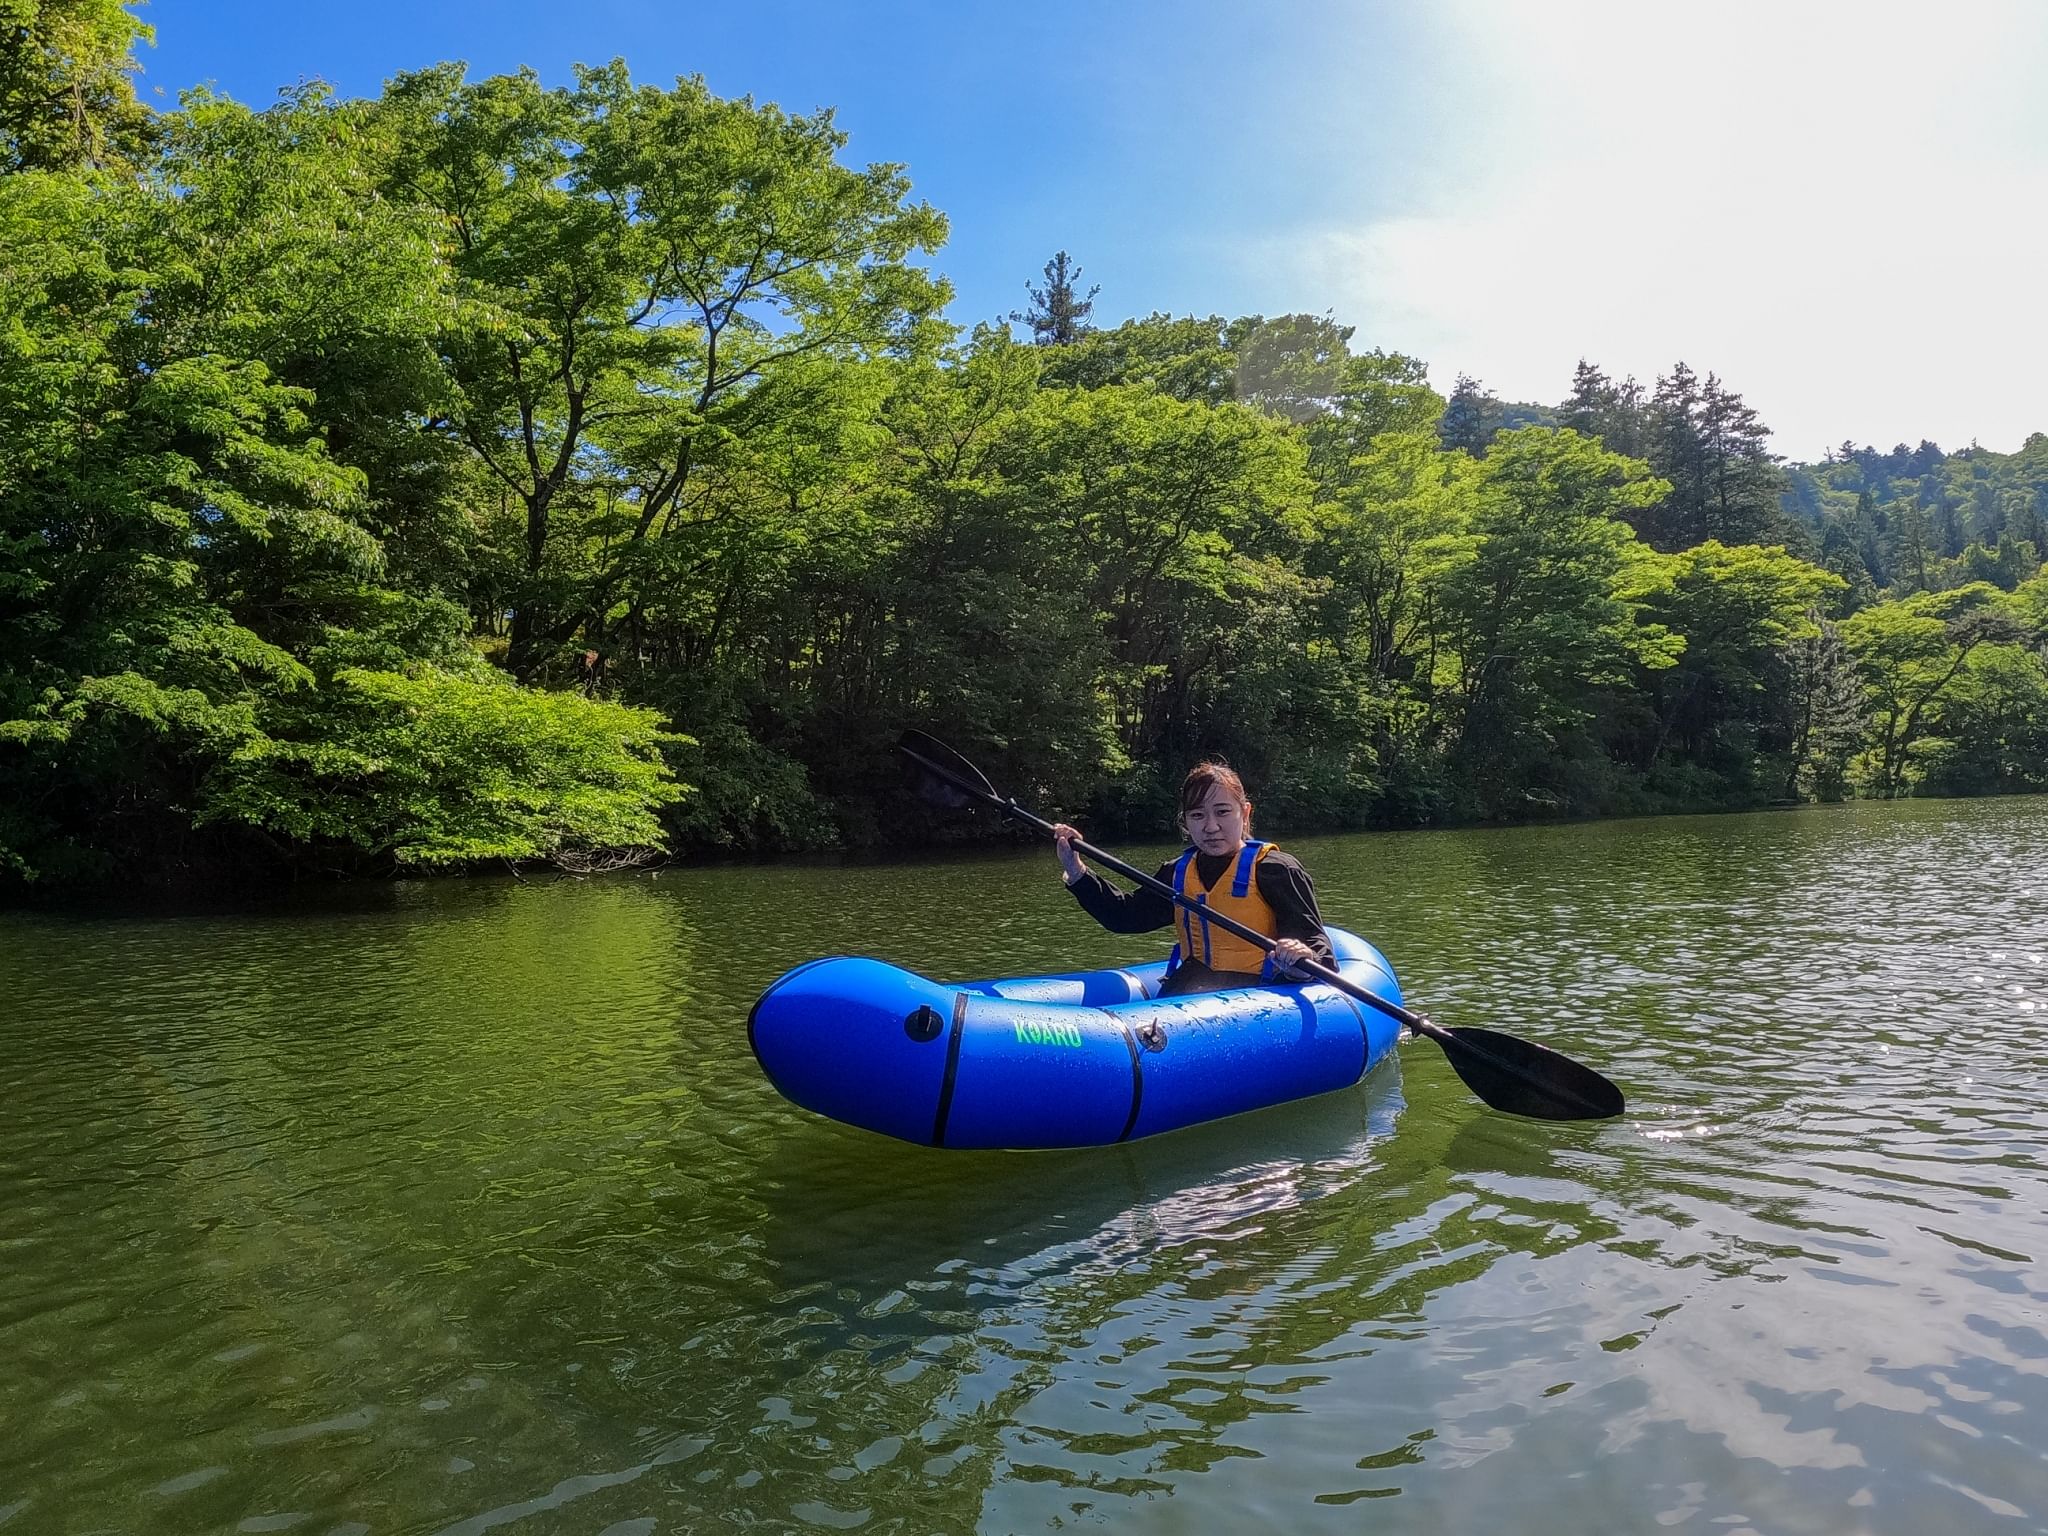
1288 953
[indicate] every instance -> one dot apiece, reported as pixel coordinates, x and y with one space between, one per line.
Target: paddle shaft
1315 968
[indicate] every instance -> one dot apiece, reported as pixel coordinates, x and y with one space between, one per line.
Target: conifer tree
1911 546
1714 450
1741 505
1599 407
1678 455
1058 315
1870 540
1825 701
1470 419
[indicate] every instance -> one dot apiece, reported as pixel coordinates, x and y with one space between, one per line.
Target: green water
462 1207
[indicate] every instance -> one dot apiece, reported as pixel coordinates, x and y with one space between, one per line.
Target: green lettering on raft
1048 1034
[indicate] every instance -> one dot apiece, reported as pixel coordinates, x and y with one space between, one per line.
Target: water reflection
462 1207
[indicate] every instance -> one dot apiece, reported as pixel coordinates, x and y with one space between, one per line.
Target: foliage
1471 417
170 529
1992 734
1734 613
67 98
191 555
1911 652
1058 315
1187 358
1920 520
637 268
435 767
430 479
1617 414
1825 698
1536 619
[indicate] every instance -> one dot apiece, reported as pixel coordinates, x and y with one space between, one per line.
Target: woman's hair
1205 778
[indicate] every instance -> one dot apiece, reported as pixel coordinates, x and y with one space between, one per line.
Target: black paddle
1508 1073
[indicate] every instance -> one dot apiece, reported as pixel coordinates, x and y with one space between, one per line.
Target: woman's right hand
1063 839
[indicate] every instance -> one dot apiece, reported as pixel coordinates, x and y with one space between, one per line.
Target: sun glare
1771 192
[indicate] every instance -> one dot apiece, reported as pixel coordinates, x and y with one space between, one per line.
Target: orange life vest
1202 940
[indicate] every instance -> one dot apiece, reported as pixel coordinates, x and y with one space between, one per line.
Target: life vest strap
1181 920
1247 861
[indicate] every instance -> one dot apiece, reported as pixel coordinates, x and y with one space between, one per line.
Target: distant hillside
1886 519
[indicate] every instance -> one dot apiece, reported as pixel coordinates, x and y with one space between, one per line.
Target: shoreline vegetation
491 473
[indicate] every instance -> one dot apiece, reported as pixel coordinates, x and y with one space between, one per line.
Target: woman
1223 869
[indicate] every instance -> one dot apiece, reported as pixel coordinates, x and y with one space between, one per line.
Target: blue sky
1840 206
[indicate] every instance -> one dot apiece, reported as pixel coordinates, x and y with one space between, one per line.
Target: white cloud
1843 210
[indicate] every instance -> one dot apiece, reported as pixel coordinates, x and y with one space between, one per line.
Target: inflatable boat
1078 1060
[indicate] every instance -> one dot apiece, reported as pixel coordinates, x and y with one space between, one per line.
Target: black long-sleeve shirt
1281 880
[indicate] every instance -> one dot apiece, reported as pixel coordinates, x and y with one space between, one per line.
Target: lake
461 1206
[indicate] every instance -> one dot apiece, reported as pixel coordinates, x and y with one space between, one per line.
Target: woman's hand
1287 953
1063 839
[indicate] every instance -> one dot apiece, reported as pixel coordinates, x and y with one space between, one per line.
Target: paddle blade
1524 1078
942 776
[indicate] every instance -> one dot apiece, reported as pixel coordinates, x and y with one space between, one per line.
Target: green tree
980 619
437 767
67 93
1990 735
1403 520
924 589
2005 566
1714 450
2029 604
1913 547
1187 357
1735 609
1058 316
193 568
1168 519
1381 392
1470 419
1743 485
1614 413
156 505
1840 554
1910 652
1397 525
637 264
1293 366
285 253
1825 698
1537 620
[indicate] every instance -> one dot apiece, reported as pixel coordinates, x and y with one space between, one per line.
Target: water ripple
462 1207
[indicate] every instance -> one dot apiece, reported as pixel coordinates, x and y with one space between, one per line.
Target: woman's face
1217 824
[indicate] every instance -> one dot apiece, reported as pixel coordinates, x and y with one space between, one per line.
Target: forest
495 471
